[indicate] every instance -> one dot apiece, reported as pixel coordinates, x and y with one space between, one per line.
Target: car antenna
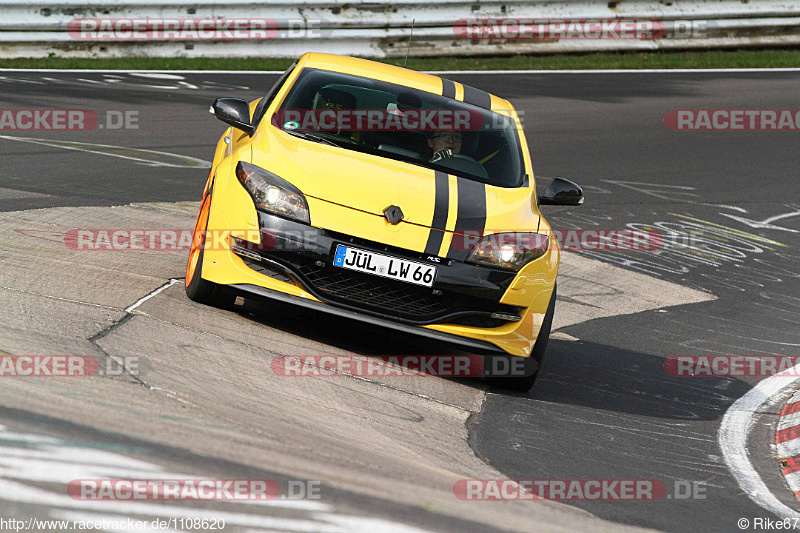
405 65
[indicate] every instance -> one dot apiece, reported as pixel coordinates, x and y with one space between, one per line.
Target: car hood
371 184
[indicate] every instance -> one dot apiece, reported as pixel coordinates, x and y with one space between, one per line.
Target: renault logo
393 214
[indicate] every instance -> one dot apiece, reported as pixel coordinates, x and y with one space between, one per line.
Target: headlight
271 193
509 250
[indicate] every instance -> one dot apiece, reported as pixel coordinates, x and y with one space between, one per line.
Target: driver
440 141
338 100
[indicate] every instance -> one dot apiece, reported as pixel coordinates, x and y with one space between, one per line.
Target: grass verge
767 58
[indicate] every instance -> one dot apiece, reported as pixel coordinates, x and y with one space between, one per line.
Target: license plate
384 265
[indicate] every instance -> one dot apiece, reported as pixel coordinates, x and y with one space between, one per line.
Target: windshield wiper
312 137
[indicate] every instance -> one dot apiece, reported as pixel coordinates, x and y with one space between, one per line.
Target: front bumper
303 255
465 342
473 306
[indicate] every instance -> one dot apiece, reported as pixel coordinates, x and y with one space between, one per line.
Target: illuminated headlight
509 250
271 193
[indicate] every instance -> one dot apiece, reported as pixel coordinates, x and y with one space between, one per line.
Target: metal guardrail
381 28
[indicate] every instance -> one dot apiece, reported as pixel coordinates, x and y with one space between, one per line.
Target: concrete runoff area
211 390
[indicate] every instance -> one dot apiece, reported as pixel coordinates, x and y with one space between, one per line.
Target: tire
198 289
526 382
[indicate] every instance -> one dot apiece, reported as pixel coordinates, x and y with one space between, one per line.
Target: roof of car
402 76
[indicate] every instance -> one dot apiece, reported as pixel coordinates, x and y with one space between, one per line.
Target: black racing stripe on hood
477 97
448 88
440 209
471 215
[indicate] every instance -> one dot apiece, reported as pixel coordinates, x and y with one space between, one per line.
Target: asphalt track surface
603 407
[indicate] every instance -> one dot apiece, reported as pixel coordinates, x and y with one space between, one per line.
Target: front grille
398 299
391 296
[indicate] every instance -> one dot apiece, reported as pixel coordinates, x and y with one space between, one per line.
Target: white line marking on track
158 290
89 70
615 71
793 480
18 492
435 72
789 421
734 207
145 156
732 436
790 448
28 458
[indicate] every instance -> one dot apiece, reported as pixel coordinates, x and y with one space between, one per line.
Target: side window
262 106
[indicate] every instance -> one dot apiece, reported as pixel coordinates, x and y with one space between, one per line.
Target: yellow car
388 196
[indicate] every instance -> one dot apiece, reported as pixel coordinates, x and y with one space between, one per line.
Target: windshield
402 123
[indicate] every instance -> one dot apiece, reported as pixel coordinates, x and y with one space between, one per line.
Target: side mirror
562 192
234 112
